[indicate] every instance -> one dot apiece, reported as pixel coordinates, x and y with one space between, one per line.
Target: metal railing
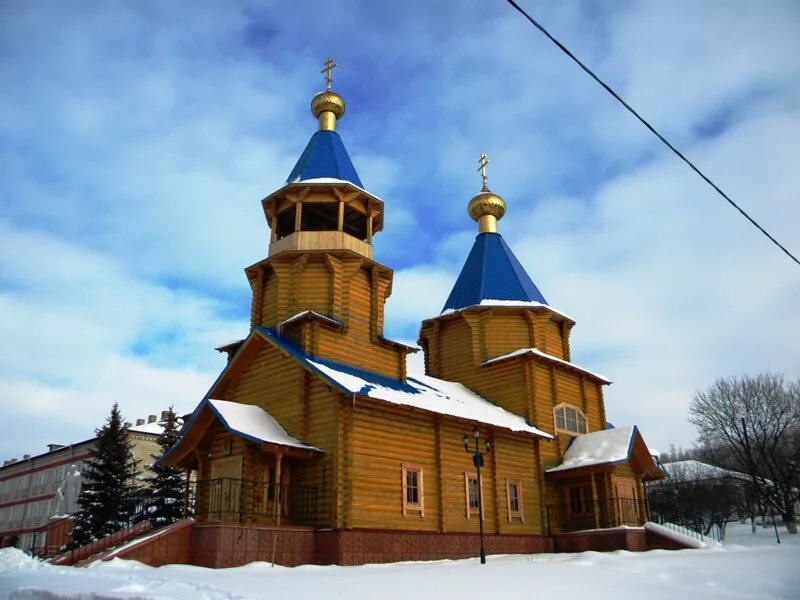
598 514
697 529
229 499
134 525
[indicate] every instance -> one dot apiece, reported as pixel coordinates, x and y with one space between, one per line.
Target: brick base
360 546
219 545
604 540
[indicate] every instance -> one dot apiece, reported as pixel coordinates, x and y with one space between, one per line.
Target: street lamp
477 460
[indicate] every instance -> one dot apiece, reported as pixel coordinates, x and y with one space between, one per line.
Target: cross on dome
483 162
330 65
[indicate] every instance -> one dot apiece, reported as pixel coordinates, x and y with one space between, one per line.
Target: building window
413 492
569 419
473 498
514 500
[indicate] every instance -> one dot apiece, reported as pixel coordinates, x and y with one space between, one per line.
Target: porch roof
247 421
609 447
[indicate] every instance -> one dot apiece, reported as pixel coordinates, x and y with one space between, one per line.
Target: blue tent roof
491 272
324 156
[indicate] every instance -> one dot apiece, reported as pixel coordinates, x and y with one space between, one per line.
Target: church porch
595 500
262 495
247 468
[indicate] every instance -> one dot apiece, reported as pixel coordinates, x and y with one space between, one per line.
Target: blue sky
137 139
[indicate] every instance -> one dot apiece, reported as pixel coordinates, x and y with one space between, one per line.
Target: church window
569 419
514 499
473 498
413 496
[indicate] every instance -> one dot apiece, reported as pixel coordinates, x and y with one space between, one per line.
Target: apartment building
38 494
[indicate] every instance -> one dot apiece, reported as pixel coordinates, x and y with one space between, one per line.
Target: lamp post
477 460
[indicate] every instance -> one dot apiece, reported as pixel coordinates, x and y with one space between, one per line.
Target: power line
652 129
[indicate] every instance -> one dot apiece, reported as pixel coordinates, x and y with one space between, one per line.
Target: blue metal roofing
491 272
370 379
324 156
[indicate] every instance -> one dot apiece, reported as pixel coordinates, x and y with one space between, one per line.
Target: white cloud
136 143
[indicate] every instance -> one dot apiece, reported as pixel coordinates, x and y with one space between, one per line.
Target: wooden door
225 491
627 503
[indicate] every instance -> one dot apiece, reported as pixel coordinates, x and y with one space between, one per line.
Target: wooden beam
298 216
278 495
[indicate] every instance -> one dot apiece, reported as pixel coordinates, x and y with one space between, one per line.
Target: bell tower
319 286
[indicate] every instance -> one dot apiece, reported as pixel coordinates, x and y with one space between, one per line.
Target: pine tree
164 503
107 500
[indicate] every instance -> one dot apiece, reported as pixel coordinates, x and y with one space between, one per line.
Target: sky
137 140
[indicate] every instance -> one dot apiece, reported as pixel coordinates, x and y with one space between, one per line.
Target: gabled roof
609 447
417 392
546 357
324 157
491 272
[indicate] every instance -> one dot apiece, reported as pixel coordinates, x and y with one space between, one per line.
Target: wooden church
315 444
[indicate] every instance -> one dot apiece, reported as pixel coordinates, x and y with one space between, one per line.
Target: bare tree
752 425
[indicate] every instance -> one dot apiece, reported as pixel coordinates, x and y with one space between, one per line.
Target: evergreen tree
164 503
107 500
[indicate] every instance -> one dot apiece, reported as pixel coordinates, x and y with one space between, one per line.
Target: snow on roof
426 393
154 428
509 303
325 180
693 470
334 181
544 355
254 423
308 313
597 448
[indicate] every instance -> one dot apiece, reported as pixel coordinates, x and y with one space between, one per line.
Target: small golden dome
327 101
486 203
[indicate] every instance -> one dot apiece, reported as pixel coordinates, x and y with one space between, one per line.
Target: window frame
580 500
579 414
519 513
473 476
413 507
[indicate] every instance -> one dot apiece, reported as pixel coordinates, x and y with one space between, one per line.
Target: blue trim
372 380
324 156
491 272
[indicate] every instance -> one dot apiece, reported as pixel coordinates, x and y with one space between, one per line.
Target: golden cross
482 162
329 67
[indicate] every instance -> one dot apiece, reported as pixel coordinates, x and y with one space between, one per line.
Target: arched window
569 419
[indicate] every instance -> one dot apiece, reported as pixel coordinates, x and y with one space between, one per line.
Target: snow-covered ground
746 566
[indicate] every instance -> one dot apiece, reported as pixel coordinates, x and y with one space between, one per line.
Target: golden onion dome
486 203
328 101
